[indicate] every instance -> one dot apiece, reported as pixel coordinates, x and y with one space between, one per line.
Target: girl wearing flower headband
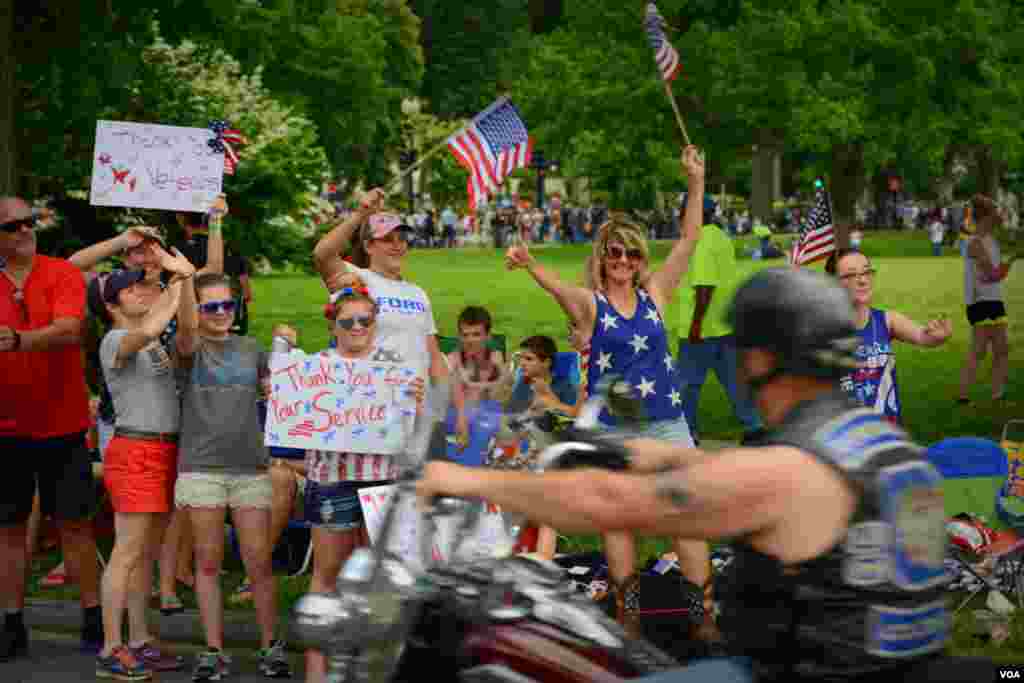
333 479
379 244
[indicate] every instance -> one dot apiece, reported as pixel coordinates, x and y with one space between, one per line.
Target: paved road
55 657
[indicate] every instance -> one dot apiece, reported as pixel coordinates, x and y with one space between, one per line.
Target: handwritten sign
149 166
329 403
489 538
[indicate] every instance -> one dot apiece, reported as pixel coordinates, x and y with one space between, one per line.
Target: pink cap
381 224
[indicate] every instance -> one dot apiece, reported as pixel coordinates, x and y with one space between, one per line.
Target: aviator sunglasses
364 321
616 253
214 307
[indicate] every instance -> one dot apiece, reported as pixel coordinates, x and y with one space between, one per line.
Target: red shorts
140 474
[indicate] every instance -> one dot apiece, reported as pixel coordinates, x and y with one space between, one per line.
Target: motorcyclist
836 520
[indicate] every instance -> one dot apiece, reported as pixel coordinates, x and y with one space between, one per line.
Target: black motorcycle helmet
800 315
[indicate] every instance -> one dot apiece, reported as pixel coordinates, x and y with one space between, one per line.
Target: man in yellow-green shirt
706 342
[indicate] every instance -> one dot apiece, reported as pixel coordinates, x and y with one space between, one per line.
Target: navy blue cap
120 281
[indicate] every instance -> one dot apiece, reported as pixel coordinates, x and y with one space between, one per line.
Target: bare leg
185 568
330 550
13 567
79 546
621 554
169 553
132 530
208 532
253 542
142 583
1000 360
35 521
975 354
547 542
282 481
694 560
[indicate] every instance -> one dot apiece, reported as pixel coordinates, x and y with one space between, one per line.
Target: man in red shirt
44 416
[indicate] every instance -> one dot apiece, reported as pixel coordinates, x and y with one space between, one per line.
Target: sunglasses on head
16 225
348 323
616 253
214 307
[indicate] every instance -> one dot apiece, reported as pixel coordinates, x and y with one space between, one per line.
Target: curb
65 616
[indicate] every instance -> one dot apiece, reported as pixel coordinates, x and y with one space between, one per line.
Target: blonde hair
616 229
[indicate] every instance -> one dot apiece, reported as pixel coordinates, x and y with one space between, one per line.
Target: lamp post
407 159
542 166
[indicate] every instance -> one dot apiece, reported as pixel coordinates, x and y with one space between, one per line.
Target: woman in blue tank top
874 383
621 308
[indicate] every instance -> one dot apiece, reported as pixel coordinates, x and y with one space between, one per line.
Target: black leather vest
876 600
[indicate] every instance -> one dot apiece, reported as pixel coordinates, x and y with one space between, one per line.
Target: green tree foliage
474 48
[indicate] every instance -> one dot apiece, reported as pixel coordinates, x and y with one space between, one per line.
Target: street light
542 166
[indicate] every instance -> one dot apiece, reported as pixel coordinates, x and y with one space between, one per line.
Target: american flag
817 237
664 54
494 144
223 141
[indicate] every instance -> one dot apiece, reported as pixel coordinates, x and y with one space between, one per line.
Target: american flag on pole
224 140
664 54
494 144
817 237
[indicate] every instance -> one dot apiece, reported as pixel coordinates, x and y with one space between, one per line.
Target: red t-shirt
43 393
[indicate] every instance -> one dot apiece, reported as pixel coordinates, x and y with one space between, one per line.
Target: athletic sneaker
211 665
157 660
274 661
122 665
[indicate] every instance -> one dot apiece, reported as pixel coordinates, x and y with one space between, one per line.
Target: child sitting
480 378
523 435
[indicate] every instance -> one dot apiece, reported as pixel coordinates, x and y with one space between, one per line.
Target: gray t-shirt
143 386
220 419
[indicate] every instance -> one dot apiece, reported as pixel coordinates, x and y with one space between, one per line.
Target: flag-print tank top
636 349
873 384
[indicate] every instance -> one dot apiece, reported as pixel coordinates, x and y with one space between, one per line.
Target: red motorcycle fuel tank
544 653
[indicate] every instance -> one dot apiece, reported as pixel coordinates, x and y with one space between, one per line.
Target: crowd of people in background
180 391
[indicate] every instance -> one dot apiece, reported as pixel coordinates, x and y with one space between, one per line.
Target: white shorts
214 490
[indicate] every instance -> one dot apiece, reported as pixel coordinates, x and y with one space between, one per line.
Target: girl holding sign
223 464
334 479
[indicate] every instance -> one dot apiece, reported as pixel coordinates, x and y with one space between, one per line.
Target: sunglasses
869 273
16 225
214 307
617 253
364 321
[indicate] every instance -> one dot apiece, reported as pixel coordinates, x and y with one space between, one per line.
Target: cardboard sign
329 403
149 166
489 539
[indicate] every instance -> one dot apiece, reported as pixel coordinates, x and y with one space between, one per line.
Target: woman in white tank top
983 296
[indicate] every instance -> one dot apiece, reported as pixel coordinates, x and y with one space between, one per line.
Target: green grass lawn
909 280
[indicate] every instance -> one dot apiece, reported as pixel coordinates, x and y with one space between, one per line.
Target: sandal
627 604
170 605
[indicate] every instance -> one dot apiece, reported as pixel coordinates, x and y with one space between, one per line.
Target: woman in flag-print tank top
621 312
874 384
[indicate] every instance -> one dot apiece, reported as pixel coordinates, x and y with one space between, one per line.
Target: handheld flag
817 235
494 144
664 54
223 141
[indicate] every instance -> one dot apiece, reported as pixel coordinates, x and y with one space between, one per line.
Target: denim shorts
673 431
335 507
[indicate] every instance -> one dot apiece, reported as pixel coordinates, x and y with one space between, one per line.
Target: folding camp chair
975 472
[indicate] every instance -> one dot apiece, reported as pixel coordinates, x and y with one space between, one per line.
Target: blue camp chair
975 472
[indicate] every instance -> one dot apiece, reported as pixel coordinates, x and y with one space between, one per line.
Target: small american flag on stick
664 54
817 235
494 144
224 140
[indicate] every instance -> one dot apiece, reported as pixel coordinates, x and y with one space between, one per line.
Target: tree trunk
846 185
990 172
8 96
763 177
